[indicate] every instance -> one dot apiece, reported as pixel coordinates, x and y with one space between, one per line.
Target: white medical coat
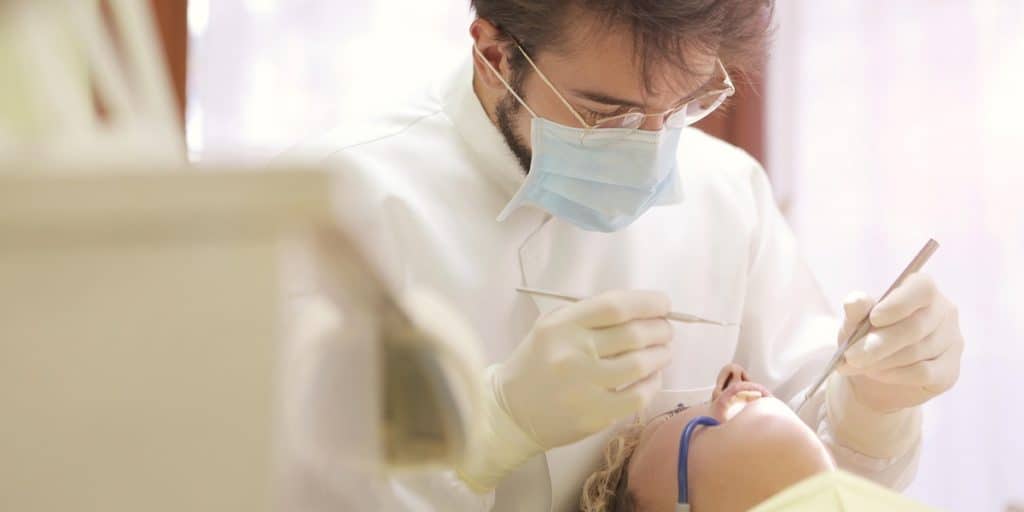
429 181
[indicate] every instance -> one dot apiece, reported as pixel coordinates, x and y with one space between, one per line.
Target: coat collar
461 104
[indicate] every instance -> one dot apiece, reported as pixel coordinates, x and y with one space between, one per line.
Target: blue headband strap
684 449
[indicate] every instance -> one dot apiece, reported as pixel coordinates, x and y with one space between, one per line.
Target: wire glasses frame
690 112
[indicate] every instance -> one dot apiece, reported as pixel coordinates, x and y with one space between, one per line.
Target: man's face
597 72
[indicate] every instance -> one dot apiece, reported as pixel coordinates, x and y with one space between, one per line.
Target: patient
758 448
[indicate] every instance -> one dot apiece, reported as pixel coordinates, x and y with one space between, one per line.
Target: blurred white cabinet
139 317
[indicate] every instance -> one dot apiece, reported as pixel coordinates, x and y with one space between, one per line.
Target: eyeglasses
685 114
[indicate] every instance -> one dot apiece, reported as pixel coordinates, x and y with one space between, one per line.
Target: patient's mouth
736 396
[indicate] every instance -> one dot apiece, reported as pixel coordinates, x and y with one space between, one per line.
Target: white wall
264 74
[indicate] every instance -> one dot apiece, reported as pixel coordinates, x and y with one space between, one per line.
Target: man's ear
492 46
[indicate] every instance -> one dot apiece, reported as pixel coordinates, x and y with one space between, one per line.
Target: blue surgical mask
599 180
683 500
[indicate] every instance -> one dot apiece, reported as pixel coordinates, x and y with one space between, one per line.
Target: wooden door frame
172 21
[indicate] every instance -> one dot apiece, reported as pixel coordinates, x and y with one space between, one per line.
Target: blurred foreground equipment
143 303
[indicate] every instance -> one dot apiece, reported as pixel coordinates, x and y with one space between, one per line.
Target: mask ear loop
502 80
579 118
554 89
684 449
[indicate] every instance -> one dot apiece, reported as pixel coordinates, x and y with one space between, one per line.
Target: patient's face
760 448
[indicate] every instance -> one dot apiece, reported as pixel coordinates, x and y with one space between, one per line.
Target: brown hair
734 30
606 490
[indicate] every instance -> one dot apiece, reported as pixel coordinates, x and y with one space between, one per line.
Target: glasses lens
697 109
631 120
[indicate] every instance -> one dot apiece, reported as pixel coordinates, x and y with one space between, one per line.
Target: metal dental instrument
672 315
865 325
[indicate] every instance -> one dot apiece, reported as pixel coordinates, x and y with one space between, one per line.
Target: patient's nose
730 373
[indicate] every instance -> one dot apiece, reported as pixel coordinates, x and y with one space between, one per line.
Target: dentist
560 157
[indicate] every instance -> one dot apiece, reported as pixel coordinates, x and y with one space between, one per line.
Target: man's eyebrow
606 99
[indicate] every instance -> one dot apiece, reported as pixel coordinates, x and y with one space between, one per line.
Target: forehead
652 469
595 55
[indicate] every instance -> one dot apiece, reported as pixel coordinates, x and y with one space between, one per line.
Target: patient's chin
764 449
768 423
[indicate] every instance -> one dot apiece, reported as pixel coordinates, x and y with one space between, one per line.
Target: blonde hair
606 490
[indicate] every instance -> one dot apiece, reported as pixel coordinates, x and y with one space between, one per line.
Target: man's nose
653 123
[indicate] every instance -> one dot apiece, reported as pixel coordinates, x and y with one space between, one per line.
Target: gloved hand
581 368
913 350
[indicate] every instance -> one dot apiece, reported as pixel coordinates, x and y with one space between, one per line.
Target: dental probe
672 315
865 325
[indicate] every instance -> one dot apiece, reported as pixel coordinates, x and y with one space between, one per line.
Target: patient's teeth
749 396
740 400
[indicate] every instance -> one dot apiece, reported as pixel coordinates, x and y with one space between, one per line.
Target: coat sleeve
788 334
329 448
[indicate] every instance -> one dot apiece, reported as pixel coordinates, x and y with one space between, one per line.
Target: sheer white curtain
890 122
265 74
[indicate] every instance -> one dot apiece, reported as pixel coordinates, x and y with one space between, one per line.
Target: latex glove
912 352
581 368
